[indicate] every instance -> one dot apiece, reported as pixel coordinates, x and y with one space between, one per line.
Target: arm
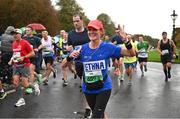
149 48
29 55
158 47
30 51
73 55
128 51
174 49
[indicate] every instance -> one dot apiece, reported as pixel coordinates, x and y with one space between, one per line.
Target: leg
100 104
2 92
169 69
72 69
165 72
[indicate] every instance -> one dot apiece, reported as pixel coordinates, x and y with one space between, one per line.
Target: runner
135 43
64 54
5 56
35 43
167 50
97 84
22 51
129 62
48 55
76 37
118 62
143 49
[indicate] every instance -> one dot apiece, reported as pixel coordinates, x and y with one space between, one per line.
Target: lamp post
173 16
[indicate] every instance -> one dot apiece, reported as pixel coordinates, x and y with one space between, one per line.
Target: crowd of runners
86 51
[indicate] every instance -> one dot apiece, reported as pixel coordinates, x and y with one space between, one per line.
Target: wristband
128 45
69 58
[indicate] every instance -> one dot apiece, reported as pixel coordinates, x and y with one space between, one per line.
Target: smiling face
94 34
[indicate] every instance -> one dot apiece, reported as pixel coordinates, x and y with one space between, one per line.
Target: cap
96 24
17 31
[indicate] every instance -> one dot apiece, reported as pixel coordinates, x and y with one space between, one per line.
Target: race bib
15 56
92 77
142 50
165 52
142 53
93 71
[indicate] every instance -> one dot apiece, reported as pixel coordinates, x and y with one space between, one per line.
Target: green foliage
68 8
20 13
177 37
107 23
154 56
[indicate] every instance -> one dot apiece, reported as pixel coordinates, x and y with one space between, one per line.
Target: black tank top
166 47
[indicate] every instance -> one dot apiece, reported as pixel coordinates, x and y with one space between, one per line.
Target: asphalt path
148 97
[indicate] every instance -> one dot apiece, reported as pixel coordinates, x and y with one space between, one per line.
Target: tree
20 13
177 37
67 9
107 23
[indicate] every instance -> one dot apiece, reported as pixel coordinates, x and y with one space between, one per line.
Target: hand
121 32
36 50
75 54
20 59
10 62
174 55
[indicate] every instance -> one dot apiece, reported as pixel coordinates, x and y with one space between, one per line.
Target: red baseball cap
96 24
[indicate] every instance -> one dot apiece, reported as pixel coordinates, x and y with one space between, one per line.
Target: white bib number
15 56
165 52
93 76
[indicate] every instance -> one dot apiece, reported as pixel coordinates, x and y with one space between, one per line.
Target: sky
147 17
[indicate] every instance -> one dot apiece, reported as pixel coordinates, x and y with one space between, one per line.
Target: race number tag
15 56
93 71
92 77
165 52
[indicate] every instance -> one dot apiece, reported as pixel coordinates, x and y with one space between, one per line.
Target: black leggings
98 102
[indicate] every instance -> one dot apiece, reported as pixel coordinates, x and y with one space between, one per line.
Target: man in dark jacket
6 53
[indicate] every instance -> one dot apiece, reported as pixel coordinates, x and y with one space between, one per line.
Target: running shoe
20 102
142 75
145 68
3 95
65 83
45 82
169 75
75 76
55 73
28 91
166 79
87 113
39 78
36 89
121 78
